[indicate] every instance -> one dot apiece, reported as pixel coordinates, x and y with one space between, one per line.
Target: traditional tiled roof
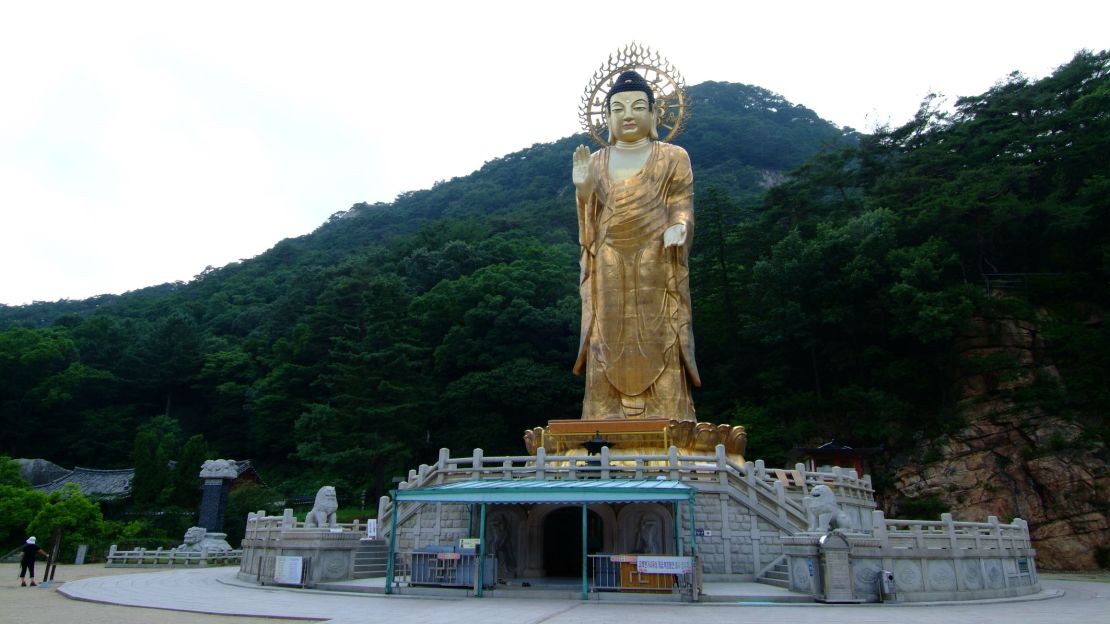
116 484
835 446
245 471
98 484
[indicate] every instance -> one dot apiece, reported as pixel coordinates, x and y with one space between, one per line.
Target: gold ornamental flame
672 107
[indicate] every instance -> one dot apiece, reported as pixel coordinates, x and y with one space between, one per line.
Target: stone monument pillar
218 475
836 569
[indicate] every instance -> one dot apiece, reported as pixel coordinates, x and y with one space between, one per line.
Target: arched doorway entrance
562 540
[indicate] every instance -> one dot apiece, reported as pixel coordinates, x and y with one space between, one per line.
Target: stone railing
924 560
781 496
259 521
799 481
141 558
947 534
607 465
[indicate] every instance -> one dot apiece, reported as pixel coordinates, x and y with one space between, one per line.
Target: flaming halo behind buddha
672 106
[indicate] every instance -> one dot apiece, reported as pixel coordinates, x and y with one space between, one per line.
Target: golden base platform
638 437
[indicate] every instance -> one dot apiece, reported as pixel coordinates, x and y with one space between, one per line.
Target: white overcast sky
141 142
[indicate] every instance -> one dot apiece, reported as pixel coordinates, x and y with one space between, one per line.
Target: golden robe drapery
637 345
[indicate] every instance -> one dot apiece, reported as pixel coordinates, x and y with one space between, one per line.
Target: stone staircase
371 559
777 574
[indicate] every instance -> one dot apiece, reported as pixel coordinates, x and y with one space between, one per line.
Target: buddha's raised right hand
580 172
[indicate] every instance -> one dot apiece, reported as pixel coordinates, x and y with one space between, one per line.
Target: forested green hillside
449 317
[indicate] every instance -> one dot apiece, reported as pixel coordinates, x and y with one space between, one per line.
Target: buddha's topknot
631 81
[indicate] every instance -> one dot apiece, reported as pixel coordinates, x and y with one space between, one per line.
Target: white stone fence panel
948 534
142 557
259 521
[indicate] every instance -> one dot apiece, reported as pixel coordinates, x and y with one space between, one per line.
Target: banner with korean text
664 565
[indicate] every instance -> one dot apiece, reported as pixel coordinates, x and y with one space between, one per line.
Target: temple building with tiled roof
96 484
115 484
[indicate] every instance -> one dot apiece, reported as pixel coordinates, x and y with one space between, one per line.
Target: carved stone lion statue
193 537
199 539
323 511
822 511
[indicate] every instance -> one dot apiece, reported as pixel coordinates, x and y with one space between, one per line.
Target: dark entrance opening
562 540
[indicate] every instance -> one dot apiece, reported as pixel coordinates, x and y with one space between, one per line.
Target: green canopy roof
532 491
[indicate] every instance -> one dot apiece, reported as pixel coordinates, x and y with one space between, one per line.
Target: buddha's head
631 107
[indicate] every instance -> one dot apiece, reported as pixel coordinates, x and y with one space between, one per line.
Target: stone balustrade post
476 464
383 504
672 461
800 468
996 531
950 529
605 465
780 498
918 535
722 464
878 527
541 464
1026 541
441 465
750 479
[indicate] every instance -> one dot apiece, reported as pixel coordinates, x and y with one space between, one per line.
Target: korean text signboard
664 565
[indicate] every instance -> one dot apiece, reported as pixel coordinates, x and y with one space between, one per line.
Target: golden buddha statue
635 225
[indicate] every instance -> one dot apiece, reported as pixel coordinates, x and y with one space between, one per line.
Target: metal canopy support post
695 573
677 530
585 588
693 539
392 542
481 549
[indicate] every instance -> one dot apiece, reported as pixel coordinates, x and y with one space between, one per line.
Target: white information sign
664 565
288 570
372 528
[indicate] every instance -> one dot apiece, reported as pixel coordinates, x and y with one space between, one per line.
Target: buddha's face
630 116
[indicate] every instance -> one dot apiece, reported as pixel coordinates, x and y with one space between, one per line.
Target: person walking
27 564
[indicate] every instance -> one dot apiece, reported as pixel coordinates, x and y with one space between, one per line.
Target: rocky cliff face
40 471
1013 459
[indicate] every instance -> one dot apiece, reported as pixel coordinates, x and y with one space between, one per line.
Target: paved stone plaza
215 591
